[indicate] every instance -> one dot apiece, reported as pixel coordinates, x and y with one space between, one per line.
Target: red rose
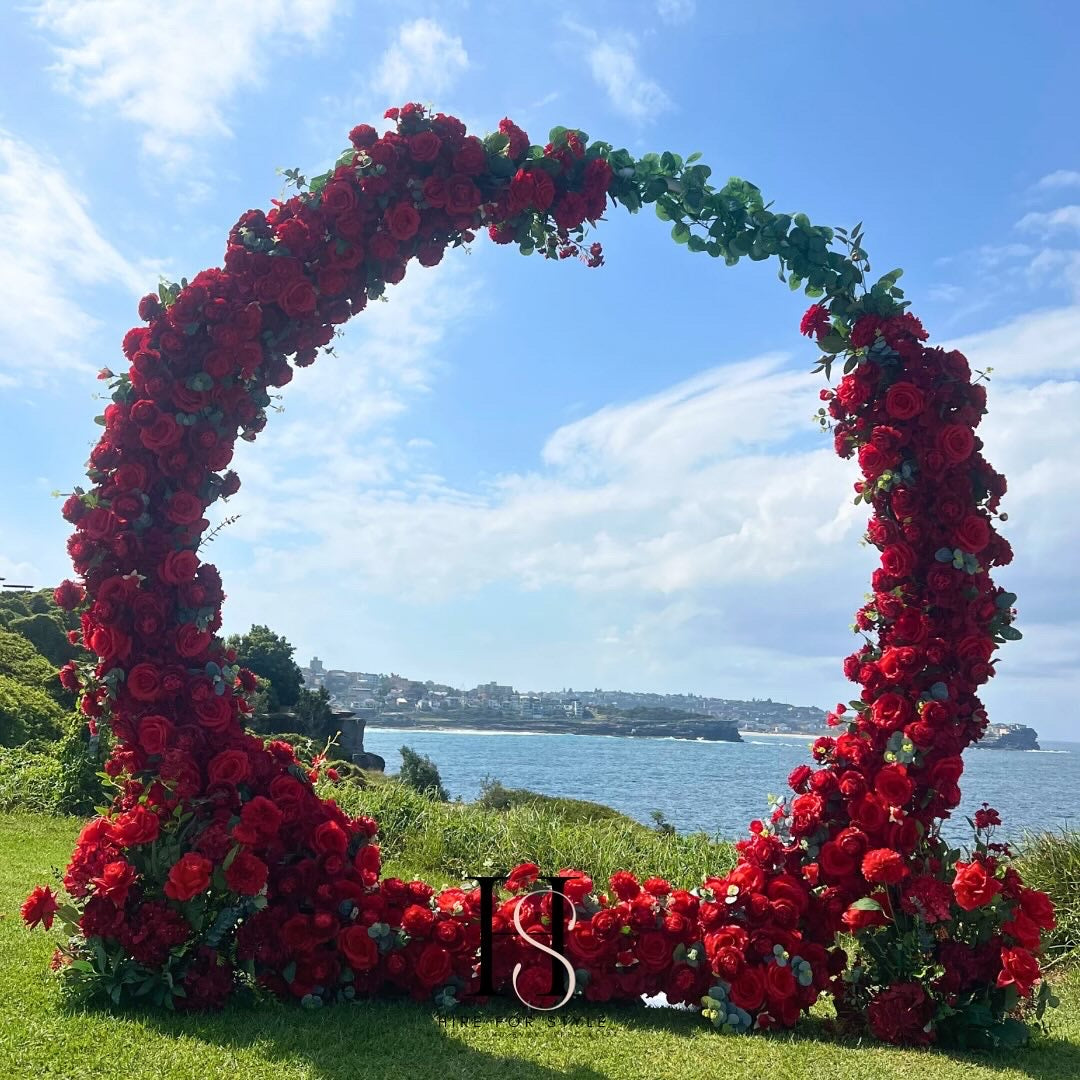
904 400
188 877
462 195
1038 907
214 713
358 947
154 733
748 990
901 1015
972 534
192 642
184 508
892 711
894 785
298 299
417 921
779 983
974 886
229 767
624 885
246 874
261 816
836 863
1020 969
884 866
68 595
654 950
362 136
424 146
330 838
543 190
403 220
433 965
471 159
898 560
179 567
144 682
139 825
956 442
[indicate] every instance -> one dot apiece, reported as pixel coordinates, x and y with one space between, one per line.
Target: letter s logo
571 977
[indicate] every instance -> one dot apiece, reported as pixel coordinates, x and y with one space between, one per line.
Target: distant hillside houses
369 695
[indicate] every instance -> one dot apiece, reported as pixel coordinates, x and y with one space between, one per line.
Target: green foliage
493 796
58 778
20 661
1051 862
440 841
270 656
421 774
313 714
48 635
27 713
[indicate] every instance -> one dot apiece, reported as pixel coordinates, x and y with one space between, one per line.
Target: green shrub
19 660
449 841
27 713
493 796
61 777
48 636
1051 861
420 773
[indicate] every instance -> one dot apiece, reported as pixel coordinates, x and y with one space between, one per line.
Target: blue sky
539 473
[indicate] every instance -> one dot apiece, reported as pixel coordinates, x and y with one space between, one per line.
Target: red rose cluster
218 862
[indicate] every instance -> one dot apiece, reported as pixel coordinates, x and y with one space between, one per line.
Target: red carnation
901 1015
246 874
884 866
815 321
40 907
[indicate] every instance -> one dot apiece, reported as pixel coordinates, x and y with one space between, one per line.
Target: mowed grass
41 1036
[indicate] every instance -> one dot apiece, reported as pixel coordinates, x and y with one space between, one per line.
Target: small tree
313 715
421 774
271 656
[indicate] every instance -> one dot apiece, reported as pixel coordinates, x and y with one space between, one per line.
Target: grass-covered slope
42 1037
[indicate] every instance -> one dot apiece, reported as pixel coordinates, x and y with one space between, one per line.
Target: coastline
434 729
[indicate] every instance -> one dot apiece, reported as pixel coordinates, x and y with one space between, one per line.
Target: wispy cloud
423 60
1051 221
172 69
54 253
676 11
615 68
1060 178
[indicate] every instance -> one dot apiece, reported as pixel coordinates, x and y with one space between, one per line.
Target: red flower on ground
40 907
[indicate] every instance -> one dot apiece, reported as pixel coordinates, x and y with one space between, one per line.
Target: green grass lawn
40 1036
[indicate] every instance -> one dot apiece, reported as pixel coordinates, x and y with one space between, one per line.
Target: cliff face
352 743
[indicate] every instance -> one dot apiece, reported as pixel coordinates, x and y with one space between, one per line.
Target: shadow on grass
394 1039
1048 1057
376 1039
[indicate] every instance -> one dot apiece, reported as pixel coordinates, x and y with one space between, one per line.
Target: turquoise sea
718 787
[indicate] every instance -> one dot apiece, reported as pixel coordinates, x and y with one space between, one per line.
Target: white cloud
1059 179
1064 217
171 69
424 60
54 254
615 68
676 11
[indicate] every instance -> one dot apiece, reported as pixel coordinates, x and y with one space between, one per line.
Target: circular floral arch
218 864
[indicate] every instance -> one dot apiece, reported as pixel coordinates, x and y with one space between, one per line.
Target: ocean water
719 787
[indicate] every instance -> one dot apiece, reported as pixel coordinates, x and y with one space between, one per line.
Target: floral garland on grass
218 868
